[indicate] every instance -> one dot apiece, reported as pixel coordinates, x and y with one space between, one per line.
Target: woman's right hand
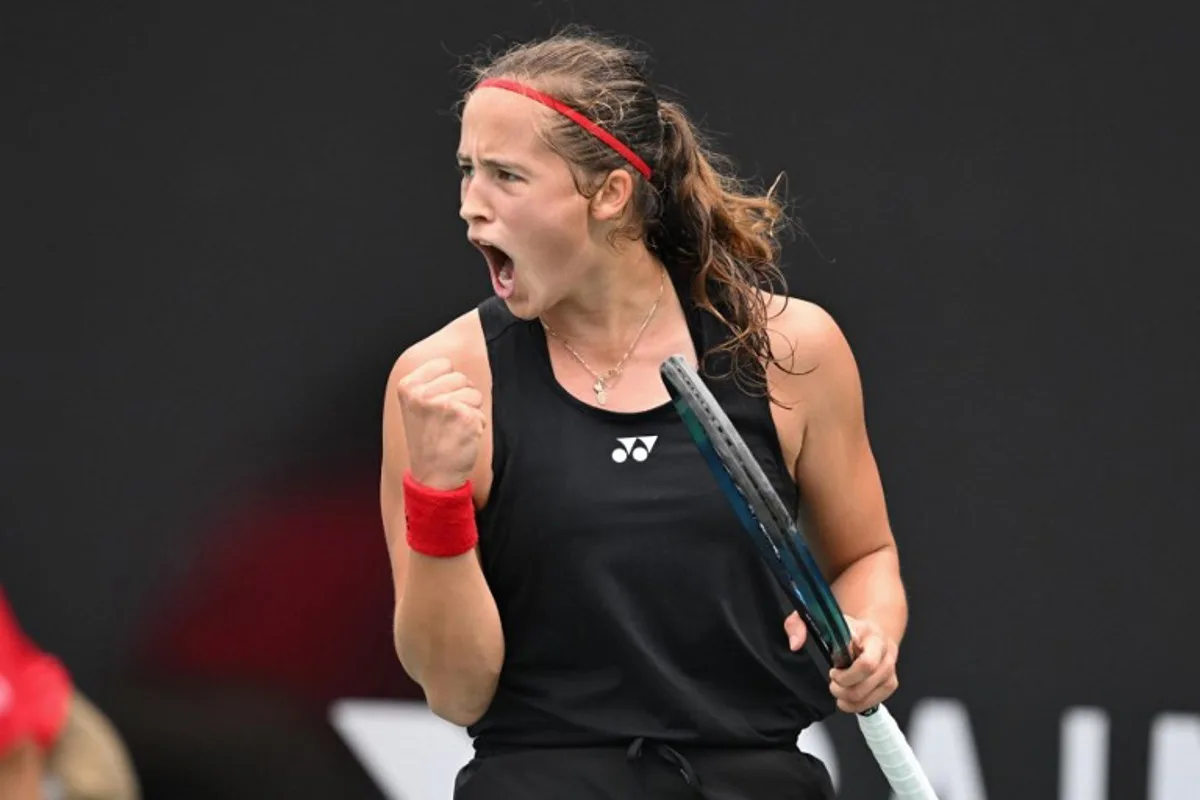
443 423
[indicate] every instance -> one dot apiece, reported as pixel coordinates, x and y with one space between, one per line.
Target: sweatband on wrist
439 522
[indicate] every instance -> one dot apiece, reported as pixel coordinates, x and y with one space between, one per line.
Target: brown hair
716 236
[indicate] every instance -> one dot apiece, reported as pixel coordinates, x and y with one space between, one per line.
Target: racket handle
894 755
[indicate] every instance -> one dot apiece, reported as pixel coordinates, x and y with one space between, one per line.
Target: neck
605 313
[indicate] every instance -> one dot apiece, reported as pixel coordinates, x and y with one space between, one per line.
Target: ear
613 196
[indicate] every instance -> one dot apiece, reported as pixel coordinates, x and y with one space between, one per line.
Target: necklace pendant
601 393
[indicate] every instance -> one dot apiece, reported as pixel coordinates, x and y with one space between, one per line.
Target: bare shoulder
460 341
814 381
810 348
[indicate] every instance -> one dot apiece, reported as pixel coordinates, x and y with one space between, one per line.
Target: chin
522 308
527 304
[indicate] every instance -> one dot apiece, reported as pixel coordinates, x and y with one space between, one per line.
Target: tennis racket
781 544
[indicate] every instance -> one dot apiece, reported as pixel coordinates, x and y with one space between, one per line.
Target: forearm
21 770
89 758
448 635
871 588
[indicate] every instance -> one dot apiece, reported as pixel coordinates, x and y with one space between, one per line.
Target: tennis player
54 742
570 583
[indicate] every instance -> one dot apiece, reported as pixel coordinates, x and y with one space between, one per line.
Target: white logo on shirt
636 447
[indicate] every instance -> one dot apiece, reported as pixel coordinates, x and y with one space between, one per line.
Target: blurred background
222 222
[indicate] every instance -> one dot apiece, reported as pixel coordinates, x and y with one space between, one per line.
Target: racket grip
894 755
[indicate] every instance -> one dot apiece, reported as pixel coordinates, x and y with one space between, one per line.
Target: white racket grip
894 755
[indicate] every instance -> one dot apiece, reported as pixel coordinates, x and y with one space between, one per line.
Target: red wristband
439 522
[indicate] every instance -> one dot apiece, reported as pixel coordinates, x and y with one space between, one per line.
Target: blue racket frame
775 531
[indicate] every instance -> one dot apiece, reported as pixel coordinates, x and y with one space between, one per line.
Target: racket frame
780 540
776 533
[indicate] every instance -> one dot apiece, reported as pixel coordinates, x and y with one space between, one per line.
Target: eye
506 176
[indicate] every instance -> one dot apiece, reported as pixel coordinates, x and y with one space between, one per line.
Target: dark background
222 222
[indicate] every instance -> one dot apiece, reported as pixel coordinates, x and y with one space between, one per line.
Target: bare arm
89 759
446 626
840 482
844 503
21 771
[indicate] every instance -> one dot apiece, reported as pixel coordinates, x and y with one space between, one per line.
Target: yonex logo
636 447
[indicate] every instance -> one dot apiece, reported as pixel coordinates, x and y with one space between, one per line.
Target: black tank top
632 603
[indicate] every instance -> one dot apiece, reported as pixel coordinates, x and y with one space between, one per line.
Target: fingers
470 411
443 385
467 396
871 692
870 679
465 402
435 386
870 658
436 383
797 631
444 423
429 370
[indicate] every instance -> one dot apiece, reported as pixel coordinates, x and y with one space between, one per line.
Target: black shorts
645 771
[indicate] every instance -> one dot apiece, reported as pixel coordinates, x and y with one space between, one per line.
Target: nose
473 206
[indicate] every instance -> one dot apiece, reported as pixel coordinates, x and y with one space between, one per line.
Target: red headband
576 117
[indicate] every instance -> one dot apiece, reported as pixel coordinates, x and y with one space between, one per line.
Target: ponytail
720 241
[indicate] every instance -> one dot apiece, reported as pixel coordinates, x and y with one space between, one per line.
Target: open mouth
500 265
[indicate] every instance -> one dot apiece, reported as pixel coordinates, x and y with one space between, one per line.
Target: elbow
456 713
461 704
458 696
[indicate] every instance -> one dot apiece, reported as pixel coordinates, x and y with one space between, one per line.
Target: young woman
53 741
570 583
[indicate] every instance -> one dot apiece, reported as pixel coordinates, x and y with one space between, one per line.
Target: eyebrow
492 163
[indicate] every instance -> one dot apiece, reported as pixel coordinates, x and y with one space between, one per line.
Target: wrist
439 522
435 482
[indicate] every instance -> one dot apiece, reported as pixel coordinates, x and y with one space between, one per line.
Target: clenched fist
443 423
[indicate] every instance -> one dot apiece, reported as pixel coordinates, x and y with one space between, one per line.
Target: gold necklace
600 386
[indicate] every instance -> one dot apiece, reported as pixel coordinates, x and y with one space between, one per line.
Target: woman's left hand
868 681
